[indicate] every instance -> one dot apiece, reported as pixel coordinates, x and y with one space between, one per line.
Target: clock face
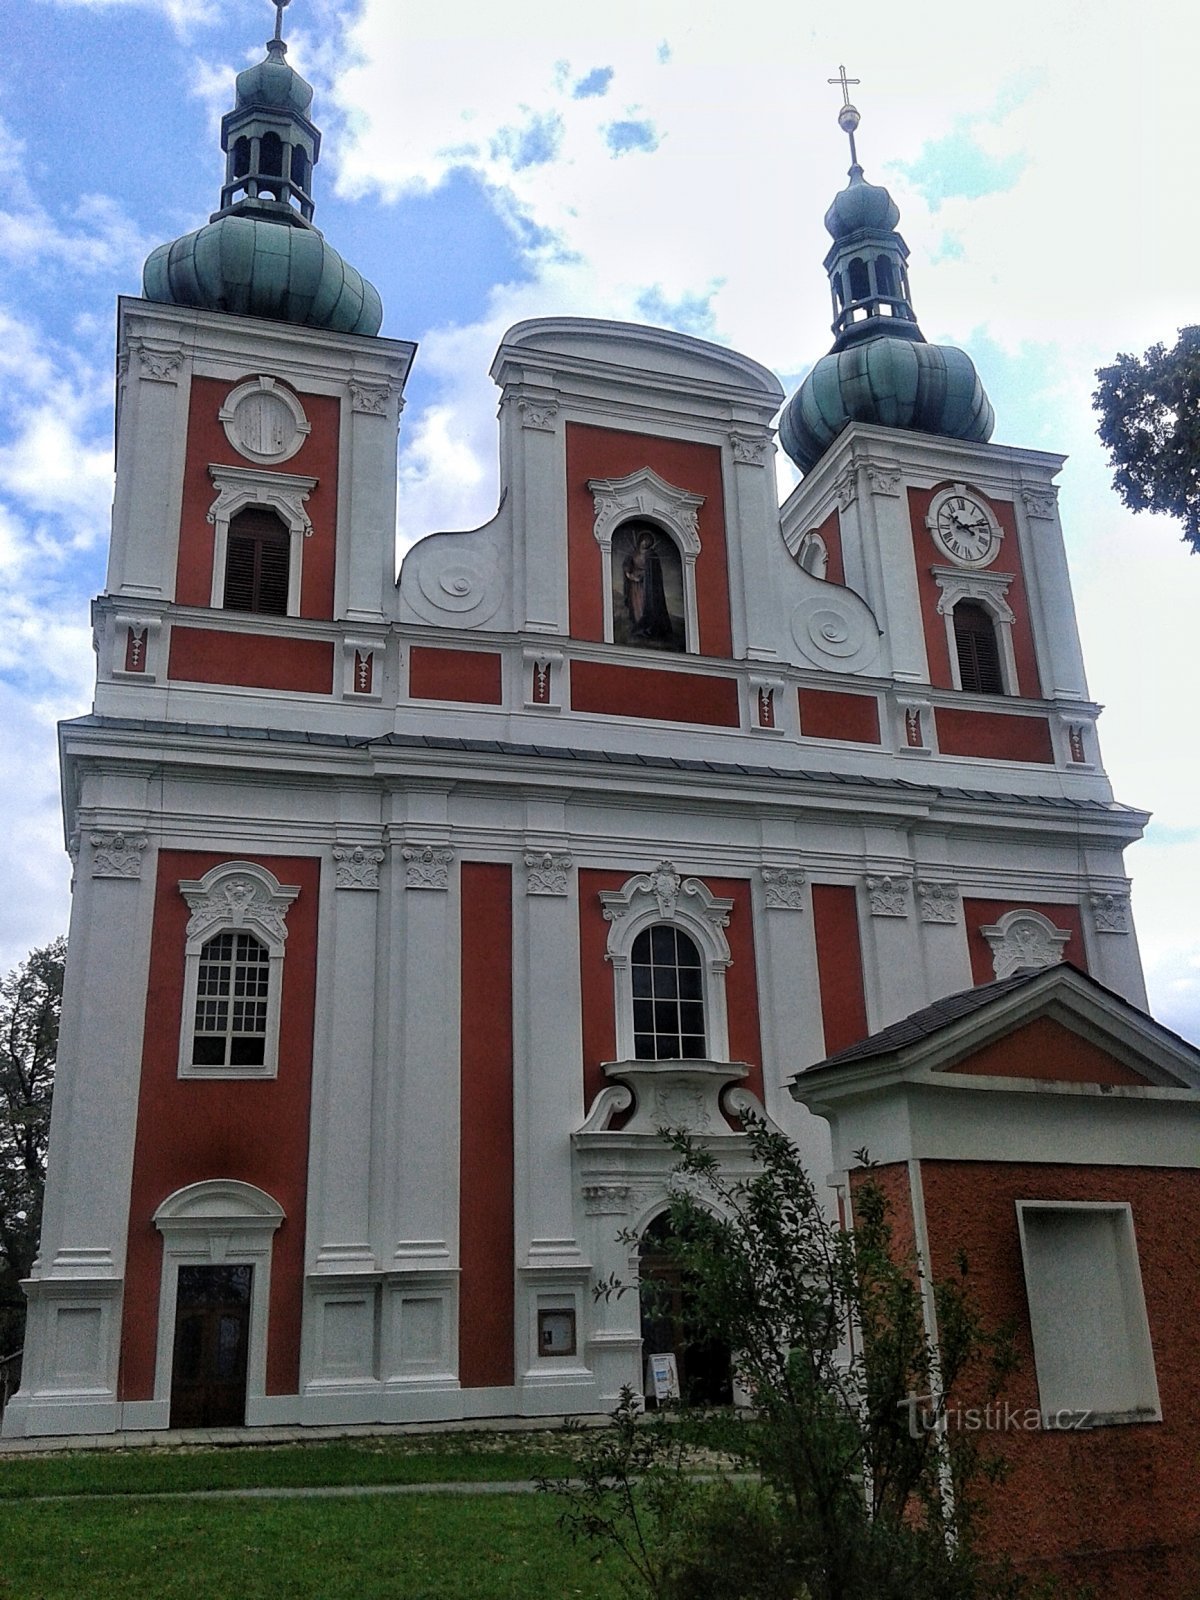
964 528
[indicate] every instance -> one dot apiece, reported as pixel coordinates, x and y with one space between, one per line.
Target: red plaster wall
1115 1507
250 660
829 714
928 556
610 453
472 676
618 691
598 1015
316 458
486 1249
985 913
839 965
1045 1049
831 532
993 735
189 1130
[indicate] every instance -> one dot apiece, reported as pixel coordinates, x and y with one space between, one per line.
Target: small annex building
406 911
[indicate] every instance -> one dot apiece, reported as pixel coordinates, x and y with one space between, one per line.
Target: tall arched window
270 156
232 987
979 666
257 563
668 996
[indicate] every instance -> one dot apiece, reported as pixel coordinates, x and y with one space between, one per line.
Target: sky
664 161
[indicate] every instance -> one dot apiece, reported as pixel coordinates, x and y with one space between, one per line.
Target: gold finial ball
848 118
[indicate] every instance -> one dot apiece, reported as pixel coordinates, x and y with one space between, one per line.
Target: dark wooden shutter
257 562
978 649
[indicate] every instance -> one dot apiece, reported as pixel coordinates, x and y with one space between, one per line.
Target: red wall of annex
1114 1507
189 1130
828 714
839 965
486 1249
979 914
316 458
618 691
250 660
929 556
599 1016
470 676
1045 1049
611 453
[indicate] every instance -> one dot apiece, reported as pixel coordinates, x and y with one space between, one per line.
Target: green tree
30 1006
851 1487
1149 409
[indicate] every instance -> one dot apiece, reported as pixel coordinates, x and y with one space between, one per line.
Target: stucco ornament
547 872
834 628
1110 912
1024 941
938 902
426 867
887 896
356 867
117 855
785 888
237 895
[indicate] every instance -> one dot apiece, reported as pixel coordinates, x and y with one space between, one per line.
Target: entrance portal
705 1366
212 1341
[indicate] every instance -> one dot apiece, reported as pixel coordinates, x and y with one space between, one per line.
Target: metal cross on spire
280 7
848 118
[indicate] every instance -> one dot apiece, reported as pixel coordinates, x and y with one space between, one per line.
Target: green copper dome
880 369
260 255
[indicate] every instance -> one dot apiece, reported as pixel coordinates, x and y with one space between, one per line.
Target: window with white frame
233 972
648 531
260 524
1087 1313
979 623
669 957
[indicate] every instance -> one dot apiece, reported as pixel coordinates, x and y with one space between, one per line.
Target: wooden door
705 1367
212 1341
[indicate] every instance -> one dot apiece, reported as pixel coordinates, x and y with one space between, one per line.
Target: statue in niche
647 588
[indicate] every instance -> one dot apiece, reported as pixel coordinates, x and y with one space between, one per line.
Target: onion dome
880 369
259 254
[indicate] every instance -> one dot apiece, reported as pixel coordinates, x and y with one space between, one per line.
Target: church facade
406 913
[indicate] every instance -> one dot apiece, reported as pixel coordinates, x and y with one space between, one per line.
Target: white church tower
406 913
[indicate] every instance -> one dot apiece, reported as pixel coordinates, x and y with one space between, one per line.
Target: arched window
299 168
241 157
270 156
649 609
860 284
668 996
232 988
885 277
979 666
257 563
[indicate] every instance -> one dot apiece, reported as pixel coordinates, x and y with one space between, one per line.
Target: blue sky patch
595 83
533 145
691 313
621 137
957 167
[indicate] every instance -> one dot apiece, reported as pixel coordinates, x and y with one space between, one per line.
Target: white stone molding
540 415
915 725
677 511
835 629
264 421
455 580
612 1101
547 872
117 855
426 866
884 477
607 1199
664 896
677 1094
937 902
543 678
812 554
1024 941
887 896
785 887
766 704
1075 734
1110 911
134 646
284 492
362 668
356 866
371 399
1040 501
238 897
990 590
846 487
749 449
159 362
220 1222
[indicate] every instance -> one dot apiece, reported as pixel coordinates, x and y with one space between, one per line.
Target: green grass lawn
419 1547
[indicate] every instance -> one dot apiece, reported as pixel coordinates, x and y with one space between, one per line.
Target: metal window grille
231 1002
668 996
